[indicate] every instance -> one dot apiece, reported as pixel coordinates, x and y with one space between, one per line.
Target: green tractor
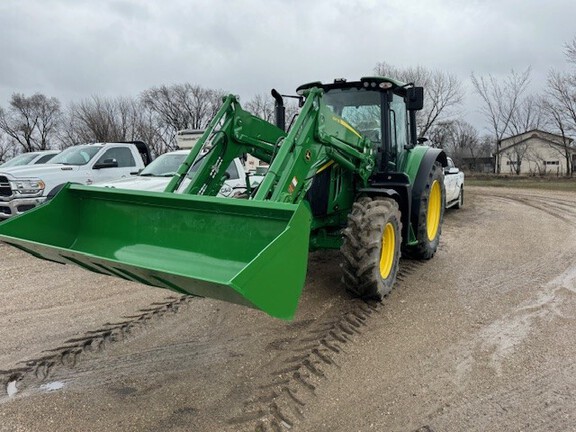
348 173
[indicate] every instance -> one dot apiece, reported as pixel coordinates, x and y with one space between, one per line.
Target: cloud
73 49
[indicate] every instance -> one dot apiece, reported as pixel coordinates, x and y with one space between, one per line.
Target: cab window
44 159
122 155
233 172
398 126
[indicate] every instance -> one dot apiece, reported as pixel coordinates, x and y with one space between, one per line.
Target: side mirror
414 98
107 163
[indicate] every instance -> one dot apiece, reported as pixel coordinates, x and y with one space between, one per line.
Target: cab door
451 181
114 163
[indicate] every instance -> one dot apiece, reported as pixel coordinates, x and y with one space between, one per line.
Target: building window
513 163
552 162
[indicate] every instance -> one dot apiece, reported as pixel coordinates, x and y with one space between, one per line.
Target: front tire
430 216
371 248
460 202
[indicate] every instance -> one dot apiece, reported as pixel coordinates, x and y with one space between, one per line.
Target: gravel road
480 338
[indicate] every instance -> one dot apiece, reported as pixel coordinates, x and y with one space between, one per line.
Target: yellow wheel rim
434 210
388 250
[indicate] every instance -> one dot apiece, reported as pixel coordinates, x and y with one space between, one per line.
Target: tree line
39 122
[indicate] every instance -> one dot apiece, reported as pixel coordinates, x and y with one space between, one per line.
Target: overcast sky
72 49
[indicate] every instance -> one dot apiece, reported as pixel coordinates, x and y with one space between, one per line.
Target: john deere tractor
348 173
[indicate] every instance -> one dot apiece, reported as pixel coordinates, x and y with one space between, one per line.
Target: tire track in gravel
39 369
558 208
532 272
291 380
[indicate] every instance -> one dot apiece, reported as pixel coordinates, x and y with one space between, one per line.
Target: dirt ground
480 338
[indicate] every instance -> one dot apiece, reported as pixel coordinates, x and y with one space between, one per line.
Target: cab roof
375 83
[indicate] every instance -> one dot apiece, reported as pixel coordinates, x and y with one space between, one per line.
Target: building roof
551 138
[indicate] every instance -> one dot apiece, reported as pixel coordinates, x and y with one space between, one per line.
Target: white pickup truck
156 176
454 184
30 158
24 188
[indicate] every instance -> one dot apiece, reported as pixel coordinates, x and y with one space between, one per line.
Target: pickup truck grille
5 189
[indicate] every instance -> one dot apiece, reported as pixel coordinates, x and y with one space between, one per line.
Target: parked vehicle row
27 180
156 176
25 187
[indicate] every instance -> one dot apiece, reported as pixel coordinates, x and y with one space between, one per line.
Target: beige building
536 153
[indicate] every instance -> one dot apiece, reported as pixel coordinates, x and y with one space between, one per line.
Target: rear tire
430 216
371 248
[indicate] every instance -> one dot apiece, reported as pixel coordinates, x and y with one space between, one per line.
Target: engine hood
37 171
153 184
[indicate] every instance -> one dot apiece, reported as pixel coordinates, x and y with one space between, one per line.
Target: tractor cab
380 109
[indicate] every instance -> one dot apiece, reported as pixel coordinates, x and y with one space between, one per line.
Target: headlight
32 186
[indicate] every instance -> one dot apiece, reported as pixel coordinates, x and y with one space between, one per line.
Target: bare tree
560 105
514 155
7 148
529 115
443 92
467 142
100 119
180 106
570 51
149 130
263 106
31 121
459 140
560 108
501 101
441 134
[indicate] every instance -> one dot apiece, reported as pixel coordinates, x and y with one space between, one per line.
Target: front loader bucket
253 253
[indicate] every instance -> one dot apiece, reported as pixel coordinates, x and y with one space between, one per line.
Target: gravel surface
42 304
480 338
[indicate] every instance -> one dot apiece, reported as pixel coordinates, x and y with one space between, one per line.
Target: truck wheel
430 217
460 202
54 191
371 247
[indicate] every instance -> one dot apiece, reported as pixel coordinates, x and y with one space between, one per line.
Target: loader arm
318 137
231 133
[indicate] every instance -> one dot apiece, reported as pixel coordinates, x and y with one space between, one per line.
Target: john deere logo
308 155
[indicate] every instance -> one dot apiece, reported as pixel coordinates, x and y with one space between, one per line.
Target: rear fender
418 165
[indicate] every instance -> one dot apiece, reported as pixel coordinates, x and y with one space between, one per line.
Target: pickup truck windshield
165 165
23 159
78 155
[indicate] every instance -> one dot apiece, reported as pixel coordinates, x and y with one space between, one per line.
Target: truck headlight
32 186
